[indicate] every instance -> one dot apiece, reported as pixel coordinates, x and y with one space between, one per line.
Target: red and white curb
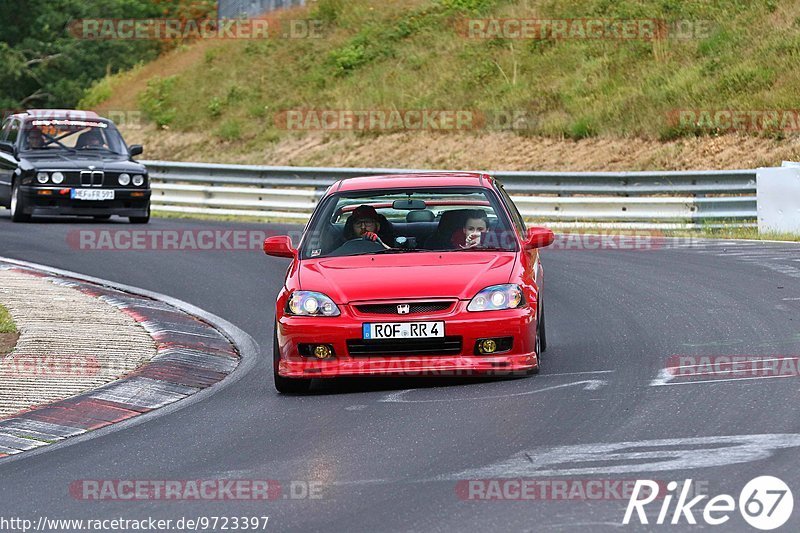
192 355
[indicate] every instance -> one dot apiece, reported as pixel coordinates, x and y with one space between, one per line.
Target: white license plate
403 330
92 194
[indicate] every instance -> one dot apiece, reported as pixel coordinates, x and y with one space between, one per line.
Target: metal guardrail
682 199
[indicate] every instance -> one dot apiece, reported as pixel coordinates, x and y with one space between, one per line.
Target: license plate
403 330
92 194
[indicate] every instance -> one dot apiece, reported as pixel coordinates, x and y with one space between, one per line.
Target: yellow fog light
488 346
322 352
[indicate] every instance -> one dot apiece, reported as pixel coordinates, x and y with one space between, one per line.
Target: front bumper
520 324
56 203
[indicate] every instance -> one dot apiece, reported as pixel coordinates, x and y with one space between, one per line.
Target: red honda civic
430 274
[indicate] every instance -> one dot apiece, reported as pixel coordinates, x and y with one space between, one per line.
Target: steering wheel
359 245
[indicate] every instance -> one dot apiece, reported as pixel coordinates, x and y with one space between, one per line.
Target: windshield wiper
484 249
399 250
103 148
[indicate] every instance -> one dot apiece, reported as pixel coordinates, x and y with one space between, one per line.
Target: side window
4 131
13 132
515 216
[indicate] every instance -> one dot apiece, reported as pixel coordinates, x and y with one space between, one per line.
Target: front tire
18 205
541 342
282 384
542 329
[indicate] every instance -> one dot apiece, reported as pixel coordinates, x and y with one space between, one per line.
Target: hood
79 161
413 275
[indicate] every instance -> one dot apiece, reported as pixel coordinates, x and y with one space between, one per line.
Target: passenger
475 228
35 139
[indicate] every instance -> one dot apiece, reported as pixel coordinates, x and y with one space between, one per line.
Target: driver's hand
371 236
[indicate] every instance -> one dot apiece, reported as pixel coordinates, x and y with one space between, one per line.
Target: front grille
414 308
438 346
92 178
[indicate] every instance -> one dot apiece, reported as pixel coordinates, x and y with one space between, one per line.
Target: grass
409 54
6 322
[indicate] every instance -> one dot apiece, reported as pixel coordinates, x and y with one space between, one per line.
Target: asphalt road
389 455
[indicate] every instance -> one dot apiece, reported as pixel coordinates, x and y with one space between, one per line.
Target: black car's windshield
409 220
46 135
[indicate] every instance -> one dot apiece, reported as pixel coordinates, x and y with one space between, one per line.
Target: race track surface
390 459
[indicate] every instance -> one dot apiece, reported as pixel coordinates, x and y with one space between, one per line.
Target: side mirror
539 238
136 149
279 246
7 148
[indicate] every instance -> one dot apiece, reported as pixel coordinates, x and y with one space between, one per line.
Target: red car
430 274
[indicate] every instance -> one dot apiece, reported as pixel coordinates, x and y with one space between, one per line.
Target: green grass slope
412 54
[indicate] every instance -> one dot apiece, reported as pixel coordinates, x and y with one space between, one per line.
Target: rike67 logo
765 503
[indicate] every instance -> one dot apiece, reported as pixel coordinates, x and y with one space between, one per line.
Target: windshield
408 220
85 135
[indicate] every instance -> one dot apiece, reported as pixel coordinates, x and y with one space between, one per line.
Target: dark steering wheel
359 245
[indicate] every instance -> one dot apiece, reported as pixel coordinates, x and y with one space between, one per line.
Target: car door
8 163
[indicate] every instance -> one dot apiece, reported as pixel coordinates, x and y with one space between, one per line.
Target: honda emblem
403 309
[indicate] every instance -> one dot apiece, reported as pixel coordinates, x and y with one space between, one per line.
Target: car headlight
497 297
42 177
138 180
124 179
308 303
58 177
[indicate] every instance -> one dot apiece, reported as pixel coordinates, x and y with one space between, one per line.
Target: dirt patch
7 342
488 151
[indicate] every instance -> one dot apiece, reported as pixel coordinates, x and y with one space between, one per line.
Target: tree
45 64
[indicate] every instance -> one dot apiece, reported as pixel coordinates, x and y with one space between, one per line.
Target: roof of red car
420 179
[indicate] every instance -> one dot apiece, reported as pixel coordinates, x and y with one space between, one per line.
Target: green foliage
412 54
468 6
214 107
230 130
328 10
581 128
45 62
6 322
99 92
155 101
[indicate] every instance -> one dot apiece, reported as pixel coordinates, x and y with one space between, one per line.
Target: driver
366 223
90 139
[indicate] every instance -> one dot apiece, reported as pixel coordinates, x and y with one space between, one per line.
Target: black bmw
58 162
